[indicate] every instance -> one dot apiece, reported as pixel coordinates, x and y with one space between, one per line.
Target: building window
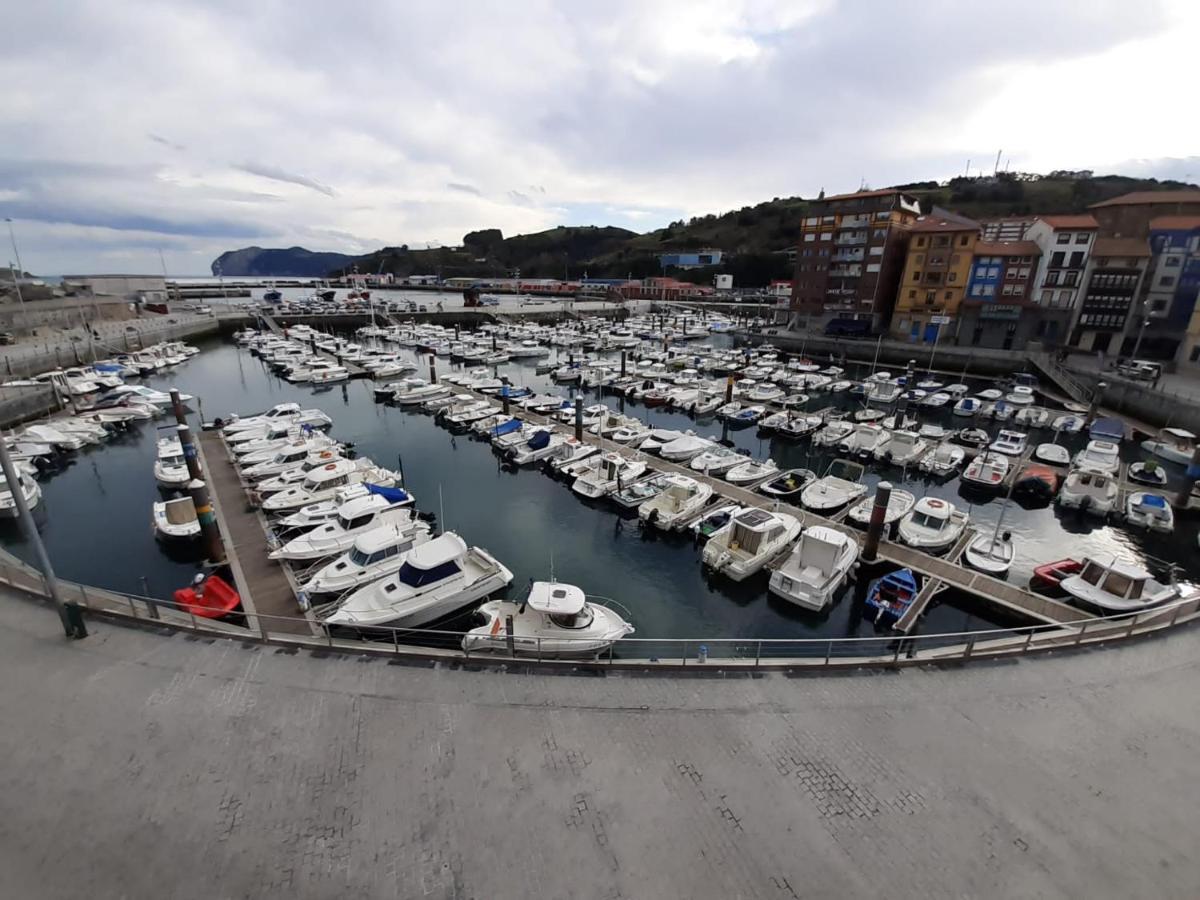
949 295
1047 298
917 277
812 220
1063 239
1171 261
1007 290
1018 290
1056 260
954 259
1077 259
1024 272
962 241
826 235
933 277
1160 305
872 267
952 277
930 296
1166 281
920 242
989 290
941 241
880 234
811 236
1082 238
912 295
875 251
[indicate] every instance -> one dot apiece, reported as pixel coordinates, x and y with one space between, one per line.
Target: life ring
326 454
936 504
331 466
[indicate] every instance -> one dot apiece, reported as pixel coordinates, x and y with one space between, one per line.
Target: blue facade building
690 259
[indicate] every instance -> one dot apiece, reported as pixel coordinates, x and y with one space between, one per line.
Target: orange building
936 271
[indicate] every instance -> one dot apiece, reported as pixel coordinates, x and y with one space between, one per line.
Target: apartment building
1064 244
999 309
1109 306
850 256
1005 229
936 270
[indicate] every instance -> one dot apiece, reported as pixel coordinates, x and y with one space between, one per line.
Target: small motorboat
1010 443
717 460
987 470
682 498
1032 417
175 521
1150 511
1036 483
990 394
750 471
1172 444
967 406
1020 395
944 460
324 482
864 440
554 620
841 484
1099 456
1001 411
289 412
990 553
1148 472
1071 424
788 485
1092 492
606 474
357 516
684 448
936 400
714 520
901 448
899 503
816 568
656 439
542 444
889 597
170 468
1054 454
746 416
869 414
374 553
933 525
1110 584
634 495
210 596
1107 429
972 437
31 491
750 539
833 433
1047 578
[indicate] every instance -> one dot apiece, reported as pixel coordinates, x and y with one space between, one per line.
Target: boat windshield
174 460
581 619
349 524
1092 573
1118 585
361 559
925 520
414 577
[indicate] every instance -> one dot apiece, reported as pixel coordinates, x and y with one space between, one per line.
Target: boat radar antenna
552 565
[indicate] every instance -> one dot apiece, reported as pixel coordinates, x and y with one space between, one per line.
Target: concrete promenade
140 764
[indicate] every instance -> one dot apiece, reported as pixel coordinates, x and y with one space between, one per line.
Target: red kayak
1047 576
211 598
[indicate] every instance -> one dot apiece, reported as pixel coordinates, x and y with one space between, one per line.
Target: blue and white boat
892 595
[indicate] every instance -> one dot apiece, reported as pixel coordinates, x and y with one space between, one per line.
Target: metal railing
886 651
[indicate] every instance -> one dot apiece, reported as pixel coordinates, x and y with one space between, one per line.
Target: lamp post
1141 333
17 272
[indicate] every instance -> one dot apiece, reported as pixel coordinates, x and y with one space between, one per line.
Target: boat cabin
433 561
379 544
331 475
753 529
564 604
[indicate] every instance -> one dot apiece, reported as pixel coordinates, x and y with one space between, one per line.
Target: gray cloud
274 173
159 139
464 188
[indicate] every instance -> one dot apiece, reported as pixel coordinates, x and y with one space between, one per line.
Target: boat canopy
181 511
818 552
1107 430
556 599
445 548
540 440
391 494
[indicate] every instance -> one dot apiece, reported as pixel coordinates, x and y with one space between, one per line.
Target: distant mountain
754 238
292 261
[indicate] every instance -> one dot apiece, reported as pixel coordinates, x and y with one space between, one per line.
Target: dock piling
579 417
883 496
214 550
504 399
189 451
432 369
177 406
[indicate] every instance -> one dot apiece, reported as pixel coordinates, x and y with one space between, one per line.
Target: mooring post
1096 397
1190 477
504 398
579 417
622 363
729 389
177 406
190 456
209 532
883 495
432 368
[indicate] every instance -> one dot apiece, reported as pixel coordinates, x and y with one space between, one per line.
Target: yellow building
936 271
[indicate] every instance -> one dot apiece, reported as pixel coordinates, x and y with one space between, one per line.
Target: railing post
1082 632
1132 625
1028 641
828 651
896 655
758 653
968 649
610 652
685 652
396 641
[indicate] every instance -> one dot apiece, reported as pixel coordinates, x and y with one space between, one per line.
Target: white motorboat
1032 417
1092 492
412 391
300 424
296 474
465 411
1099 456
1010 443
936 400
314 514
967 406
542 444
355 517
884 392
1021 395
818 565
945 459
715 519
571 456
87 431
787 485
1175 445
987 470
374 554
1070 424
990 394
899 503
841 484
323 484
1000 411
1110 584
933 525
175 521
170 468
833 433
685 448
437 578
1151 511
554 620
682 498
956 390
631 435
289 412
989 552
30 490
657 438
283 453
751 539
717 460
48 434
607 473
1148 472
865 440
1054 454
158 398
634 495
750 471
868 414
901 448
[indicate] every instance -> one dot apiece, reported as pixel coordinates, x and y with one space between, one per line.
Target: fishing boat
175 521
1148 472
1175 445
899 503
816 568
883 392
606 474
436 578
841 484
1048 577
714 520
1010 443
1099 456
1036 483
746 416
542 444
889 597
373 554
987 470
211 596
1110 584
1092 492
682 498
296 475
634 495
750 539
967 406
972 437
932 525
170 468
750 471
901 448
944 460
1150 511
1054 454
357 516
990 552
571 455
553 620
788 485
796 427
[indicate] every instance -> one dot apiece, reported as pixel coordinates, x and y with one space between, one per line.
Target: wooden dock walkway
263 581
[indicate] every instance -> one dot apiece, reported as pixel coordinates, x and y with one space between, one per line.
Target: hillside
754 238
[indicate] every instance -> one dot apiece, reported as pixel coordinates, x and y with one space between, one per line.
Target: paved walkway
1183 385
147 765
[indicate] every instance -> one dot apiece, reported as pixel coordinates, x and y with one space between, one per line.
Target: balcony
845 272
854 222
848 256
843 240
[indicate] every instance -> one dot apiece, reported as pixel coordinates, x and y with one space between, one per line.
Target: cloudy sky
127 127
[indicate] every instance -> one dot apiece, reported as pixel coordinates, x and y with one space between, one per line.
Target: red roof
1082 221
1174 223
1007 248
1114 246
1138 198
